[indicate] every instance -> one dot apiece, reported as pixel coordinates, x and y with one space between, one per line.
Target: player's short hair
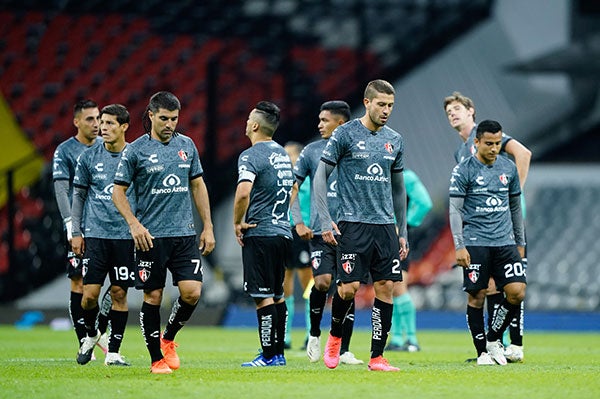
117 110
164 100
270 114
458 97
378 86
487 126
161 99
337 107
83 104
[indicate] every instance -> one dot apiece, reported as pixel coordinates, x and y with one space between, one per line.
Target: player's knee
322 285
118 295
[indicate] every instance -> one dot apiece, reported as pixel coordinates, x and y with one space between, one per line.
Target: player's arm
202 203
141 236
517 220
61 193
463 258
240 206
522 157
79 198
320 189
303 230
399 200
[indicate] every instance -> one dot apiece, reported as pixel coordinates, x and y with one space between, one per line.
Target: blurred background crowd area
531 65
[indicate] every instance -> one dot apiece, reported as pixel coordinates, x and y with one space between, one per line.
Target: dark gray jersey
306 166
365 161
486 190
95 173
161 175
467 148
268 166
65 158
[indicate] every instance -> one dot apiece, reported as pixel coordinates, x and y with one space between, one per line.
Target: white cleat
115 359
514 353
313 349
485 360
103 343
349 358
496 351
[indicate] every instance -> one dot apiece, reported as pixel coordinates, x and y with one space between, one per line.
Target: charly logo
99 167
361 145
153 158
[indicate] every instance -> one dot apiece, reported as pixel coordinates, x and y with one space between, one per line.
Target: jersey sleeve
334 147
196 166
82 176
60 164
458 181
125 170
246 168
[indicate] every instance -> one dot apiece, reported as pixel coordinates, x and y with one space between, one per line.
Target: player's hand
78 246
207 241
304 232
329 237
141 237
240 229
403 248
463 258
521 251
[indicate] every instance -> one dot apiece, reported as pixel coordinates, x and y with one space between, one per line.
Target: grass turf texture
40 363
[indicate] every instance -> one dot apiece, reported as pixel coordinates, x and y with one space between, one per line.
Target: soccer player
323 256
369 158
85 119
164 167
487 228
262 228
108 247
460 111
403 336
299 262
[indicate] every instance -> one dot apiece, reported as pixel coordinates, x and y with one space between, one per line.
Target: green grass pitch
40 363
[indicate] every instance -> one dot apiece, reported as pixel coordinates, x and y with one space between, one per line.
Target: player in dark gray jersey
460 111
323 256
487 227
370 186
164 167
85 119
262 228
108 247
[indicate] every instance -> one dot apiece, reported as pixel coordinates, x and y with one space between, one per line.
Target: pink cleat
379 363
331 357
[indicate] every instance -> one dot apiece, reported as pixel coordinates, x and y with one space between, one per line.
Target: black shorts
112 257
180 255
323 257
299 254
368 249
264 260
502 263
